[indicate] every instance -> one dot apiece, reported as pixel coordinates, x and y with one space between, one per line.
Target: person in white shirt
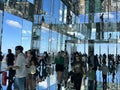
20 67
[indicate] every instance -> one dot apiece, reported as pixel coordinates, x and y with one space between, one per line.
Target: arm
83 68
18 63
14 67
6 59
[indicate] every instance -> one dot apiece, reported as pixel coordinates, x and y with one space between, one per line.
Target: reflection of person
31 69
10 61
10 58
118 71
28 77
91 77
66 63
20 68
94 61
78 71
84 61
105 70
1 57
113 68
59 61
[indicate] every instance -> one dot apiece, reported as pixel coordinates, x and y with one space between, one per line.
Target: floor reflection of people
93 59
91 77
105 70
118 72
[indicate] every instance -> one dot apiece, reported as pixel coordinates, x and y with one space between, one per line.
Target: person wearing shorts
59 61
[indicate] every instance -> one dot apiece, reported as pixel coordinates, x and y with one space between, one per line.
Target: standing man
10 62
10 58
20 66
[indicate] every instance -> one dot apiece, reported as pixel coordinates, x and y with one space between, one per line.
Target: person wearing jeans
20 67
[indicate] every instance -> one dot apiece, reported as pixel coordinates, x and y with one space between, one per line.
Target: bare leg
59 76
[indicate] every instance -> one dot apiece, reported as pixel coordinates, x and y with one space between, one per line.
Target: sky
17 31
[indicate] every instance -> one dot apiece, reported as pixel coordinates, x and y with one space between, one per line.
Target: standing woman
31 65
59 61
28 77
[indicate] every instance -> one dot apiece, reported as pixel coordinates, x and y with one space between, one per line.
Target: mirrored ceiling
80 18
92 6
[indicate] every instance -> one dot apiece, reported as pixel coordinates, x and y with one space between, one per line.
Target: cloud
60 17
24 38
76 34
44 30
60 11
71 33
26 32
29 32
51 39
14 23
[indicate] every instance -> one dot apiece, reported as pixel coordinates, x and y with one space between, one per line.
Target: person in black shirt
10 58
1 57
10 62
78 72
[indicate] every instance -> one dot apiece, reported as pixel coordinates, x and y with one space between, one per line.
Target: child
91 77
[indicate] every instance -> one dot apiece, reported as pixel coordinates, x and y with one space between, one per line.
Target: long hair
34 57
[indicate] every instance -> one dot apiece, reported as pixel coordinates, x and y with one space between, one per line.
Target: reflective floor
50 82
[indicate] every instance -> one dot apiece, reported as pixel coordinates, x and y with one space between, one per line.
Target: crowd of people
30 68
107 64
25 68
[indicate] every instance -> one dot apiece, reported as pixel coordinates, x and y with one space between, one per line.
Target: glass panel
97 48
44 39
56 10
26 34
118 48
80 48
58 37
112 49
12 32
54 42
47 9
22 9
1 27
104 48
31 1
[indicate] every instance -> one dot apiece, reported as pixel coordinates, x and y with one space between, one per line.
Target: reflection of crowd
104 63
76 67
